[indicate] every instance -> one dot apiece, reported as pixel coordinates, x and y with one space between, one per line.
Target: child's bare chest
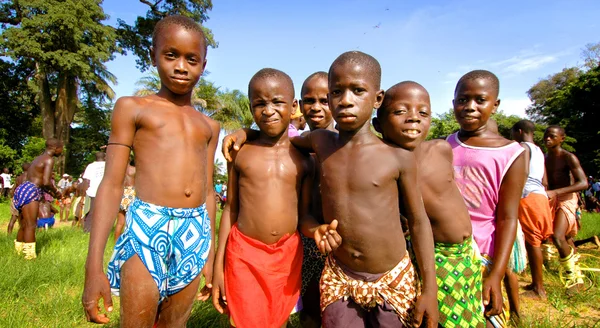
351 170
174 127
260 164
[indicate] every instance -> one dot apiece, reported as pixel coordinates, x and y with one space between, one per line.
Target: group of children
313 221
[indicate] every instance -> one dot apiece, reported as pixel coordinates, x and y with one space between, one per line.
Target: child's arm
106 207
228 219
506 230
325 235
234 141
47 179
211 208
422 238
580 182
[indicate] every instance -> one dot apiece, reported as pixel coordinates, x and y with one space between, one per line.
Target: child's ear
379 98
496 105
152 57
377 125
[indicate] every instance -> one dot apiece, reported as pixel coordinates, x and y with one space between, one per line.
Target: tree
234 112
443 125
540 92
69 45
138 37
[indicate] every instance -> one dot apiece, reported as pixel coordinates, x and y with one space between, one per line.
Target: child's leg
139 295
11 224
29 222
534 254
559 237
175 310
511 283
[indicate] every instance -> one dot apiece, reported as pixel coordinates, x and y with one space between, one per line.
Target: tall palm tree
234 112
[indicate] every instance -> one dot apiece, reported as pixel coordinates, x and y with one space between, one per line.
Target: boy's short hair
319 74
480 74
361 58
382 108
272 73
524 125
53 143
179 20
557 127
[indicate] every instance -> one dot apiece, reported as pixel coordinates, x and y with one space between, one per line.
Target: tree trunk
45 103
66 105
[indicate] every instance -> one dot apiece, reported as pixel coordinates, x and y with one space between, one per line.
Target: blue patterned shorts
173 244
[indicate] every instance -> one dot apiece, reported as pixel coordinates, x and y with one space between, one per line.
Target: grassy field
47 292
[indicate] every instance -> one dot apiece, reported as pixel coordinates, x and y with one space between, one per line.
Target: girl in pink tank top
478 173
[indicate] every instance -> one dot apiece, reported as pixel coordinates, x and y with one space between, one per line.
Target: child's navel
188 192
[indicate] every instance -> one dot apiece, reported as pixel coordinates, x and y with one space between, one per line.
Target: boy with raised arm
369 280
490 172
565 179
404 119
27 196
259 258
168 240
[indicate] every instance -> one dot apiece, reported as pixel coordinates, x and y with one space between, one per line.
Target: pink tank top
478 173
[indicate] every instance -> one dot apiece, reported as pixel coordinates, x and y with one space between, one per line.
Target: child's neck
278 140
481 132
357 136
555 150
528 138
177 99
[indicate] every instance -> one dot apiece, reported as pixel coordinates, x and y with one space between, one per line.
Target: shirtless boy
490 172
369 280
259 258
126 200
46 214
14 213
28 194
80 187
169 237
404 119
315 108
534 209
565 179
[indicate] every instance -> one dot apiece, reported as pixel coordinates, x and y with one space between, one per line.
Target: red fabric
535 218
262 282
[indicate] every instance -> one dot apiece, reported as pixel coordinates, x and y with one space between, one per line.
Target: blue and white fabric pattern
26 193
173 244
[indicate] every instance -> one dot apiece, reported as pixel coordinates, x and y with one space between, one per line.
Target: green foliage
60 35
443 125
7 156
234 112
138 37
220 172
571 99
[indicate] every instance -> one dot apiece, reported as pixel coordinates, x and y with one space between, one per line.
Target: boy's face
406 116
179 57
474 102
553 138
314 104
271 102
352 96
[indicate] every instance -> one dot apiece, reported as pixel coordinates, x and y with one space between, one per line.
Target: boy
534 209
563 167
259 258
80 187
490 173
315 109
169 238
46 214
369 280
126 199
93 175
27 196
6 185
404 119
14 213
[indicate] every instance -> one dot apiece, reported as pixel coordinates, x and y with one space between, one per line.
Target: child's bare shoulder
322 135
437 147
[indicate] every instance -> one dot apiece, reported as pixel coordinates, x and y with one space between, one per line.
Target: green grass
46 292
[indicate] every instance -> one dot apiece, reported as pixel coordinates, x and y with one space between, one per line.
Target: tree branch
153 7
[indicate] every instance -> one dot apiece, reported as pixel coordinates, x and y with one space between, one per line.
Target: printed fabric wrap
399 287
459 279
173 244
26 193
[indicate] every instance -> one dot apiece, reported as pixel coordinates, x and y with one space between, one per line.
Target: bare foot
597 241
535 294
